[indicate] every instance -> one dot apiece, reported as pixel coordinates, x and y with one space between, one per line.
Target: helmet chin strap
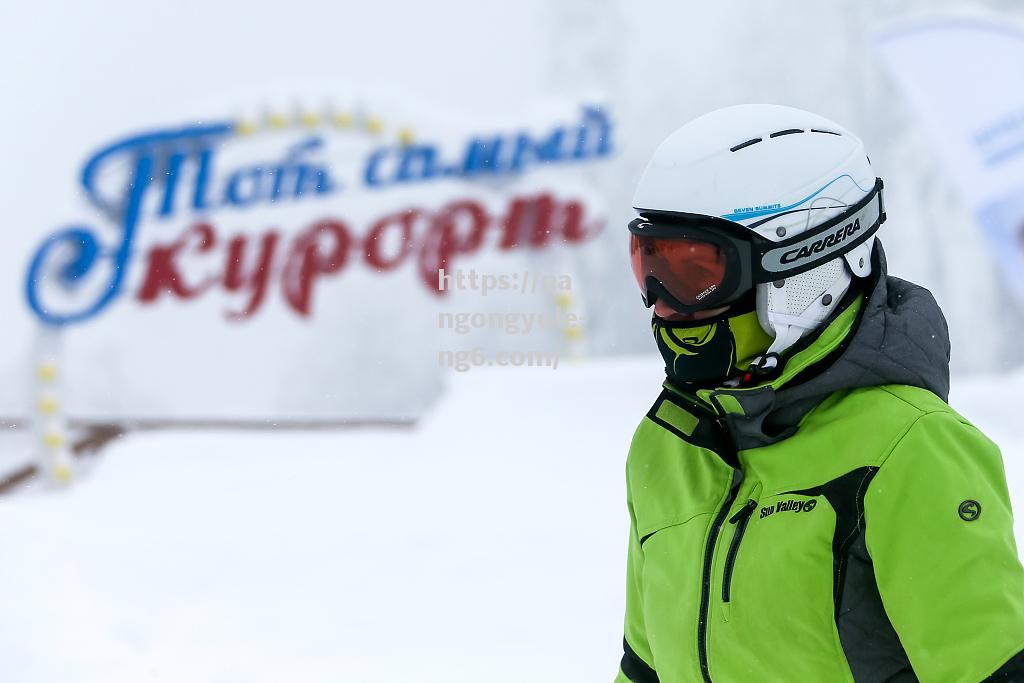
788 329
787 332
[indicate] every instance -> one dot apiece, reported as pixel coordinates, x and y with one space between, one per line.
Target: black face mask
711 350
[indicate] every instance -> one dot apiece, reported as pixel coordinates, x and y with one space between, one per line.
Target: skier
804 504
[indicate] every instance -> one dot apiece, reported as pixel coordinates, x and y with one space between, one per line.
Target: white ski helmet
785 195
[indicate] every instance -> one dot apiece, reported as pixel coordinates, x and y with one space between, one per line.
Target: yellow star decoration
62 473
371 124
48 371
53 439
245 128
48 405
310 119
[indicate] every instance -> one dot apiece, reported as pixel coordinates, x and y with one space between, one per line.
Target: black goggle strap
835 237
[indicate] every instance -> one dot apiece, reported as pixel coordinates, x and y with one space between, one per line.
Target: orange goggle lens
690 270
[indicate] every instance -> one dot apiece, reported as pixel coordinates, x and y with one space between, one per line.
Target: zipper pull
744 511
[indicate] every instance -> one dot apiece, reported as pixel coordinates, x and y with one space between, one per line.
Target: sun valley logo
789 506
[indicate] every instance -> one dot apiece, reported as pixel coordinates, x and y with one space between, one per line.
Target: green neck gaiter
710 351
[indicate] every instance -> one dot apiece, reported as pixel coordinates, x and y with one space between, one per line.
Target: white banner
965 77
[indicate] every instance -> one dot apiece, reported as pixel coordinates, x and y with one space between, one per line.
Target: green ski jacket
838 524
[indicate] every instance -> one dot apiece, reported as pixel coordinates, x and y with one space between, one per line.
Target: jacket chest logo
789 506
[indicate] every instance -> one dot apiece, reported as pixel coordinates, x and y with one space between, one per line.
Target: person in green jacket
804 505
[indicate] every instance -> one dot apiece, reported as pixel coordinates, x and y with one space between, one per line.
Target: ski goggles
695 262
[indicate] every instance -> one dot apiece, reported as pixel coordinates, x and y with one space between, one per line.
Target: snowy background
486 542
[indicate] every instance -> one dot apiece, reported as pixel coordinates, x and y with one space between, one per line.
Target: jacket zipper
705 592
741 519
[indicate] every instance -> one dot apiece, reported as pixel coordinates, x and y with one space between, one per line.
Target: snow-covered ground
486 544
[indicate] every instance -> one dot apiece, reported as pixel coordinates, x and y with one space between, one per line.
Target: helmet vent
748 143
788 131
826 132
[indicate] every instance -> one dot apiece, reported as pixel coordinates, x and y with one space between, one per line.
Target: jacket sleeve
636 665
939 530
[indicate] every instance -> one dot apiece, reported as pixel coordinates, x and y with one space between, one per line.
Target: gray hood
901 338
